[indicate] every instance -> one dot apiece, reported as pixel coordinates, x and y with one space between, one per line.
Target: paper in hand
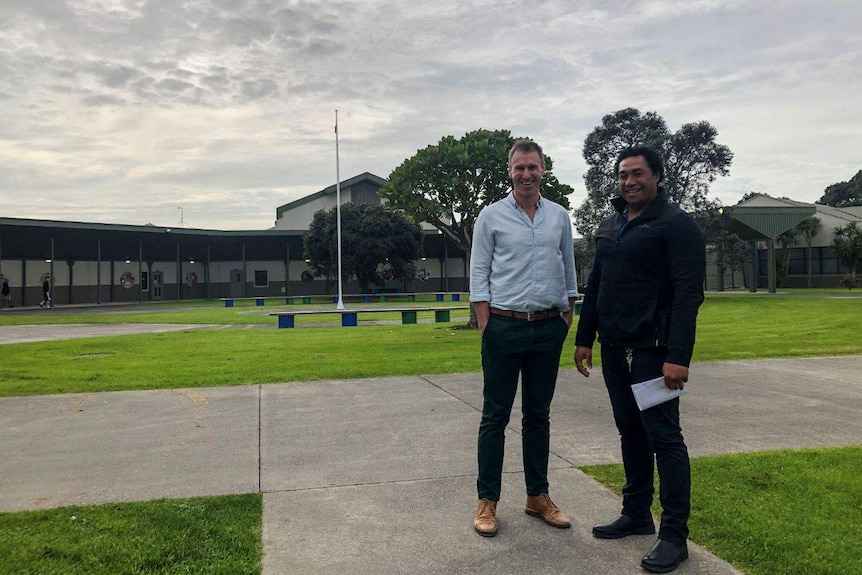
653 392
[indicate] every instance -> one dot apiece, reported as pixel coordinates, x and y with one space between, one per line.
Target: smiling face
638 184
526 170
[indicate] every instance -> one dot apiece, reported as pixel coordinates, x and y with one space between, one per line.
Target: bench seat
349 317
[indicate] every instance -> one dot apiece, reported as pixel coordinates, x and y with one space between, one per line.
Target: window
364 193
145 281
798 261
261 278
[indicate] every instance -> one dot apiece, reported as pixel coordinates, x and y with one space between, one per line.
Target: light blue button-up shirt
522 265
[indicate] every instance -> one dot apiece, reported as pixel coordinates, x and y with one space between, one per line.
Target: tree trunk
473 323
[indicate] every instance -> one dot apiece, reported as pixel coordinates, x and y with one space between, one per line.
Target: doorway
236 283
158 280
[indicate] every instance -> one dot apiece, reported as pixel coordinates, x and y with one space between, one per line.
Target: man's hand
584 359
569 316
675 376
483 314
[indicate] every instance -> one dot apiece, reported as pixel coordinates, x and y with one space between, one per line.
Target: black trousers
647 436
513 347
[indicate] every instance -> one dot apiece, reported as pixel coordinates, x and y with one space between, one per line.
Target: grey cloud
258 89
143 86
159 66
291 21
217 81
434 80
172 85
222 174
102 100
46 10
403 75
181 73
245 31
110 74
325 48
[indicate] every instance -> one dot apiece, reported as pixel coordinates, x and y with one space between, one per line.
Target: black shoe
623 526
664 556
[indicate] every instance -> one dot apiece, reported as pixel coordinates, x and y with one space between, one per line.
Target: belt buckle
530 316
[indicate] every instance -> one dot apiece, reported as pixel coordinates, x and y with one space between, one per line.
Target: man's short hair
652 158
526 146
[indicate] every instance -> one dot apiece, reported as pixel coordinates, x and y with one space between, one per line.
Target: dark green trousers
529 349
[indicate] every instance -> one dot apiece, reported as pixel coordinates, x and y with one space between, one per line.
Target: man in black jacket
642 299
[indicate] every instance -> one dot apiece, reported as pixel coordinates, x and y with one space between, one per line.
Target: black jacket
647 282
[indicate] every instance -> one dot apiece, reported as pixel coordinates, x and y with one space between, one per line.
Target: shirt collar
511 199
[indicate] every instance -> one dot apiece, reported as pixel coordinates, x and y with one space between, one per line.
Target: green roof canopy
767 222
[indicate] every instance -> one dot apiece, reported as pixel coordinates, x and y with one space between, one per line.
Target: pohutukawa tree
371 238
692 161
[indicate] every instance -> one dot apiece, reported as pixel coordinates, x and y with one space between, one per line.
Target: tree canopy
373 240
728 248
843 194
448 184
692 161
808 229
847 241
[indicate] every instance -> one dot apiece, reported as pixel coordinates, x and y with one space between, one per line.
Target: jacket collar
651 210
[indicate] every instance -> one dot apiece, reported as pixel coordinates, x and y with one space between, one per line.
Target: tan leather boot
485 522
542 507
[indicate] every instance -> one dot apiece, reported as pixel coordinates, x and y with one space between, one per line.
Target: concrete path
32 333
377 476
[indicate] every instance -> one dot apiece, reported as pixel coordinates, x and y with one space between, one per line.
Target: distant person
642 299
6 293
46 293
522 285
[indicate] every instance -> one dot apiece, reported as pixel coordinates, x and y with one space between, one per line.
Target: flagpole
340 304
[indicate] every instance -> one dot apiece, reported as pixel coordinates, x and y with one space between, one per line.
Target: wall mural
127 280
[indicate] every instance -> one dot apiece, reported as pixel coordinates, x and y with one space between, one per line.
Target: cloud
123 109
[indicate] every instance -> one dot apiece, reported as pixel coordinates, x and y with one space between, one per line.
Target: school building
103 263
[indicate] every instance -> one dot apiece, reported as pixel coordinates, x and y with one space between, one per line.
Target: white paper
652 392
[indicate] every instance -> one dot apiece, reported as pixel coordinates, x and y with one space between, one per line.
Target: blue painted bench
349 317
258 301
365 298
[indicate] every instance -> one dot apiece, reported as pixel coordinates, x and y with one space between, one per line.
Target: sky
212 113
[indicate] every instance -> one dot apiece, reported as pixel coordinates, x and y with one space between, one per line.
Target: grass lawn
209 535
769 513
201 358
741 327
208 313
730 327
788 512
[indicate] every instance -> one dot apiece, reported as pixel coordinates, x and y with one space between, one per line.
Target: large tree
448 184
843 194
692 161
373 240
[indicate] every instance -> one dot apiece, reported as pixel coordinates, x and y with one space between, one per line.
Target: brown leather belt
529 316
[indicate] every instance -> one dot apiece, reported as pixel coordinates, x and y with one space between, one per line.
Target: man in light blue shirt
523 288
